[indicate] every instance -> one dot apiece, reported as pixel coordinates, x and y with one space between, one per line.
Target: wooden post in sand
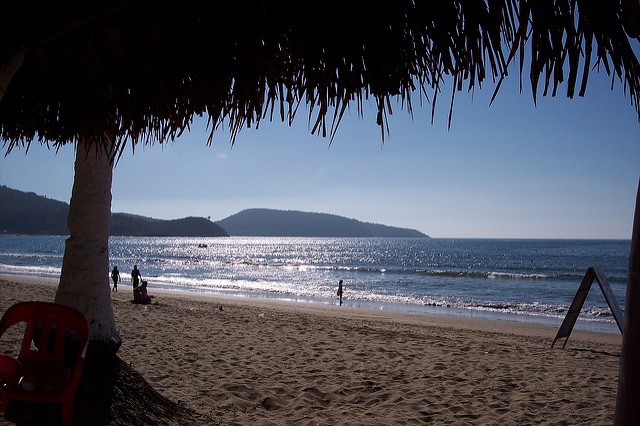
628 401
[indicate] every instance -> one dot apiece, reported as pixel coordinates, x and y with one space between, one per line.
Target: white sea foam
516 277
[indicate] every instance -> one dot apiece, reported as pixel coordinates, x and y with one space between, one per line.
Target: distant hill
132 225
281 223
29 213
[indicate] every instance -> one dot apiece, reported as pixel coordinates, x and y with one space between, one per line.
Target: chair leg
4 405
67 413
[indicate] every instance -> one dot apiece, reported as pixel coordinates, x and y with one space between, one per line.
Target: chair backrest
54 333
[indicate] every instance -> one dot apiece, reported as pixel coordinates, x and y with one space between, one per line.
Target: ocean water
526 280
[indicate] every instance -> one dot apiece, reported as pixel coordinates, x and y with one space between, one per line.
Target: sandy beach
245 361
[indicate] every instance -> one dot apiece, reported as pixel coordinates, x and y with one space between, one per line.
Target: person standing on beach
135 277
340 291
115 276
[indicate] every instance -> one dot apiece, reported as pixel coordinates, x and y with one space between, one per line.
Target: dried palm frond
141 70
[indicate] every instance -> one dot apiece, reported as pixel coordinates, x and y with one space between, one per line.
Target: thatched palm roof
140 70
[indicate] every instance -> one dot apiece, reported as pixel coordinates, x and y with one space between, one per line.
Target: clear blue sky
563 169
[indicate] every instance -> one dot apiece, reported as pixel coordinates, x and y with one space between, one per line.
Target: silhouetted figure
140 295
136 276
115 276
340 291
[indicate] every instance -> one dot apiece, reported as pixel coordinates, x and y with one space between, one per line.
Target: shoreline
258 361
373 308
467 322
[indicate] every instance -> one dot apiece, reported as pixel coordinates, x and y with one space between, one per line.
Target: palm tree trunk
628 401
84 281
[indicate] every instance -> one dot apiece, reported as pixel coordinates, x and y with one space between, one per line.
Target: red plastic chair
51 357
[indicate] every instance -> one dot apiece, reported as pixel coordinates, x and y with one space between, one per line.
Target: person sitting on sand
140 295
